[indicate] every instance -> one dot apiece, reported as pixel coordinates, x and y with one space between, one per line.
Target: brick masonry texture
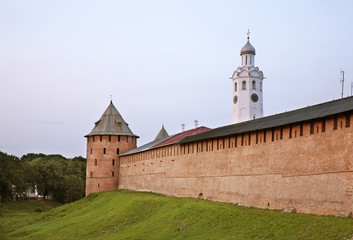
102 165
307 166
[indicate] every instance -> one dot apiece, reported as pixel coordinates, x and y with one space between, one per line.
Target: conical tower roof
162 134
111 123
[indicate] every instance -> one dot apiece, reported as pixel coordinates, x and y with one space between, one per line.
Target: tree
53 175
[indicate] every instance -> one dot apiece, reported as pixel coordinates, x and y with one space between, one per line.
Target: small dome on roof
247 49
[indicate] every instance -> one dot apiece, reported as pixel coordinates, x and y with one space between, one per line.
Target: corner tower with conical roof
247 87
110 137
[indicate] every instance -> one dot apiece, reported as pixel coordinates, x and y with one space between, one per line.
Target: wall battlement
305 165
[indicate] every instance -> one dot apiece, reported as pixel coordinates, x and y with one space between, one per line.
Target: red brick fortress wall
102 171
306 165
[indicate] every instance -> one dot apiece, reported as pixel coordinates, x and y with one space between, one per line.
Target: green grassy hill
136 215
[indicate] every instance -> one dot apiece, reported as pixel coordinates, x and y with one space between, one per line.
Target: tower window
118 138
91 174
91 150
113 162
110 138
127 138
246 60
95 162
104 150
100 138
235 87
253 85
112 173
93 138
243 85
117 151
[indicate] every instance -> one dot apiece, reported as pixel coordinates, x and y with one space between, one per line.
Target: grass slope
137 215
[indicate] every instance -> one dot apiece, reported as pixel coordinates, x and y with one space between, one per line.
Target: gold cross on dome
248 33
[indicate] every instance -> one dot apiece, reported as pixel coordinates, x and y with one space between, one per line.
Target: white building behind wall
247 87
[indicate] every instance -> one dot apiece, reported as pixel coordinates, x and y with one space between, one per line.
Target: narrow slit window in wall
118 138
264 135
104 150
335 123
95 162
100 138
323 127
273 134
301 129
112 173
117 151
113 162
311 127
110 138
348 120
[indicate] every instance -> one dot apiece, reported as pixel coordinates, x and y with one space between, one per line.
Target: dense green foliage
137 215
15 172
53 175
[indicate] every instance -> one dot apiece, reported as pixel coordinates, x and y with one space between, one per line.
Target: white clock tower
247 87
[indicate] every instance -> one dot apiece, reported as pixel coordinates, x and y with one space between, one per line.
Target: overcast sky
164 62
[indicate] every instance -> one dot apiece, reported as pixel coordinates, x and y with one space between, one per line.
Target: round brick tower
110 137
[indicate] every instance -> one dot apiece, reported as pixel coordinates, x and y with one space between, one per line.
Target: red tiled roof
178 137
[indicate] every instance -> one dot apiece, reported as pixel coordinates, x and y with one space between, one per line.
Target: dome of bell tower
247 49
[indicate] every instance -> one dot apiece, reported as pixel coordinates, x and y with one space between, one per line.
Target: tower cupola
247 53
247 49
247 86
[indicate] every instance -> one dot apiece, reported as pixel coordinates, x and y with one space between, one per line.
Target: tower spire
248 33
